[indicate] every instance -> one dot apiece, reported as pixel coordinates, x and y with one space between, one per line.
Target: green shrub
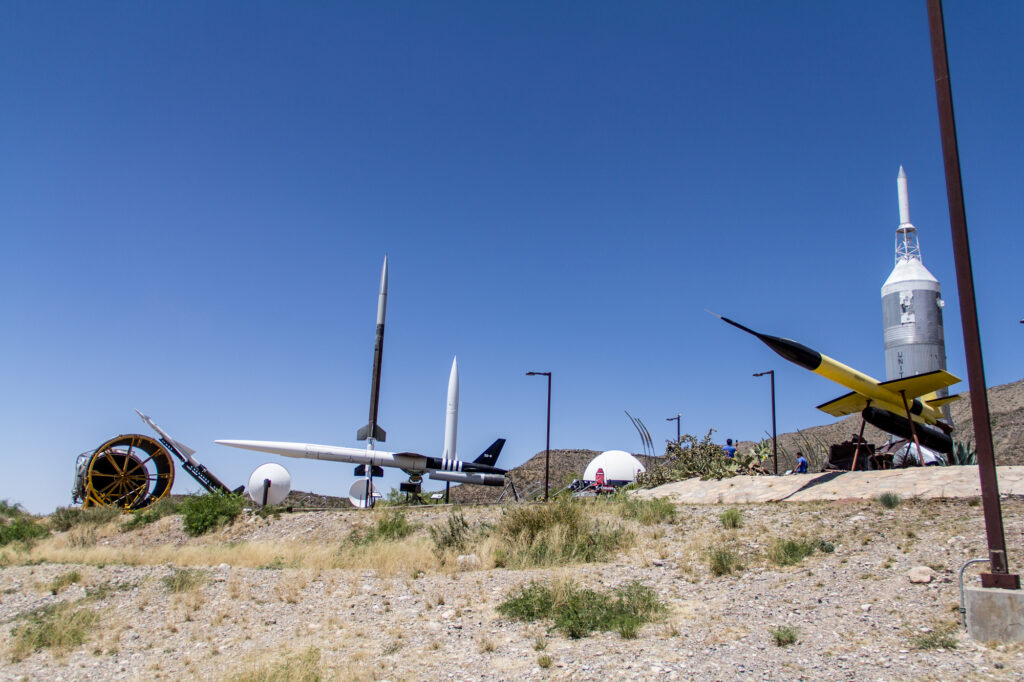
784 635
888 500
21 529
722 561
11 511
389 526
579 611
166 506
731 518
964 454
184 580
66 518
544 661
202 513
555 534
789 552
61 627
647 512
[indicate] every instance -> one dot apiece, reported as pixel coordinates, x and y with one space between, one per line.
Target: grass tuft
390 526
731 518
184 580
784 635
60 627
723 561
578 611
555 534
790 552
888 500
544 661
644 511
63 580
939 638
301 667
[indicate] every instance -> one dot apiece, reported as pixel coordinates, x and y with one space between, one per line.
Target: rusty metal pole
860 437
1000 575
913 430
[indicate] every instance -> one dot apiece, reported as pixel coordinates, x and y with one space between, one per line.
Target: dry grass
304 666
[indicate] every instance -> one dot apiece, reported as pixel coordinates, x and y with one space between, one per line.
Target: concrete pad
926 482
994 615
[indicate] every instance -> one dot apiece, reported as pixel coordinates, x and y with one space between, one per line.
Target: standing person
801 463
730 449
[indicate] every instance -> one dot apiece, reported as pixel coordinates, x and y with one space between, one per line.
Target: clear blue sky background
195 200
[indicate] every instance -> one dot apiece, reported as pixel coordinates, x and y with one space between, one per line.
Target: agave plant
964 454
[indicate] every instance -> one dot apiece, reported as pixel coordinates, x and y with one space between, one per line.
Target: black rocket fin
490 455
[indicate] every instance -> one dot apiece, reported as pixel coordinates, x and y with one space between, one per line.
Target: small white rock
920 575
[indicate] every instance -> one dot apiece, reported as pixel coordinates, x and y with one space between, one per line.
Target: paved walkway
955 481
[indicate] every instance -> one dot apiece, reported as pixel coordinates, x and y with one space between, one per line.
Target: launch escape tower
911 305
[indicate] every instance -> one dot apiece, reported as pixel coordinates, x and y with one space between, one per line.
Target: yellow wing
919 385
844 405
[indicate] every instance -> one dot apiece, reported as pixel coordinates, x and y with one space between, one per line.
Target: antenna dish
361 494
280 483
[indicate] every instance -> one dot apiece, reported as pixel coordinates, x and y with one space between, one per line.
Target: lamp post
775 443
547 441
676 420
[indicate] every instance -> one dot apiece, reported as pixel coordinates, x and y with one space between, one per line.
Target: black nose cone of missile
798 353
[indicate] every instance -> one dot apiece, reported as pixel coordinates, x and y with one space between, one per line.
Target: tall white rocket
911 304
451 412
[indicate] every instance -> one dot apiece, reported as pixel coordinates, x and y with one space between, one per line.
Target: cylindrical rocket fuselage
911 305
372 431
451 413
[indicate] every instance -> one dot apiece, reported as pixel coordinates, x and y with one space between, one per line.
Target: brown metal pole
913 429
1000 576
860 437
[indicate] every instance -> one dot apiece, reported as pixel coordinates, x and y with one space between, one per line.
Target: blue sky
196 198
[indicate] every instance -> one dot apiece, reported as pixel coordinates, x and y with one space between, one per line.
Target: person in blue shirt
730 449
801 463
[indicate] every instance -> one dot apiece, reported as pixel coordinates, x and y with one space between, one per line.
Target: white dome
618 465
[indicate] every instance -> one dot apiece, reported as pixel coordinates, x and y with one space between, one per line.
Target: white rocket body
451 414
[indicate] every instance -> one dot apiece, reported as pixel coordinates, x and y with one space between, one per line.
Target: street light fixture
676 420
547 442
775 443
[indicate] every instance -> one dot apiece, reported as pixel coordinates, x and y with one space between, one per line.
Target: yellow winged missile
916 394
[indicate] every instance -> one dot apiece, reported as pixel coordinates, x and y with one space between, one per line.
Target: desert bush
788 552
578 611
66 518
184 580
544 661
454 535
731 518
888 500
166 506
60 627
555 534
702 458
389 526
647 512
722 561
300 667
20 528
202 513
964 454
784 635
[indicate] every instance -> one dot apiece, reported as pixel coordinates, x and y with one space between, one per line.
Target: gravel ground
857 614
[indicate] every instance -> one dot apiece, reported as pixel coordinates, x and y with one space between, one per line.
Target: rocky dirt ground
273 589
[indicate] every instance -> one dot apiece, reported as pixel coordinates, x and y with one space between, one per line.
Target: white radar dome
619 467
280 483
